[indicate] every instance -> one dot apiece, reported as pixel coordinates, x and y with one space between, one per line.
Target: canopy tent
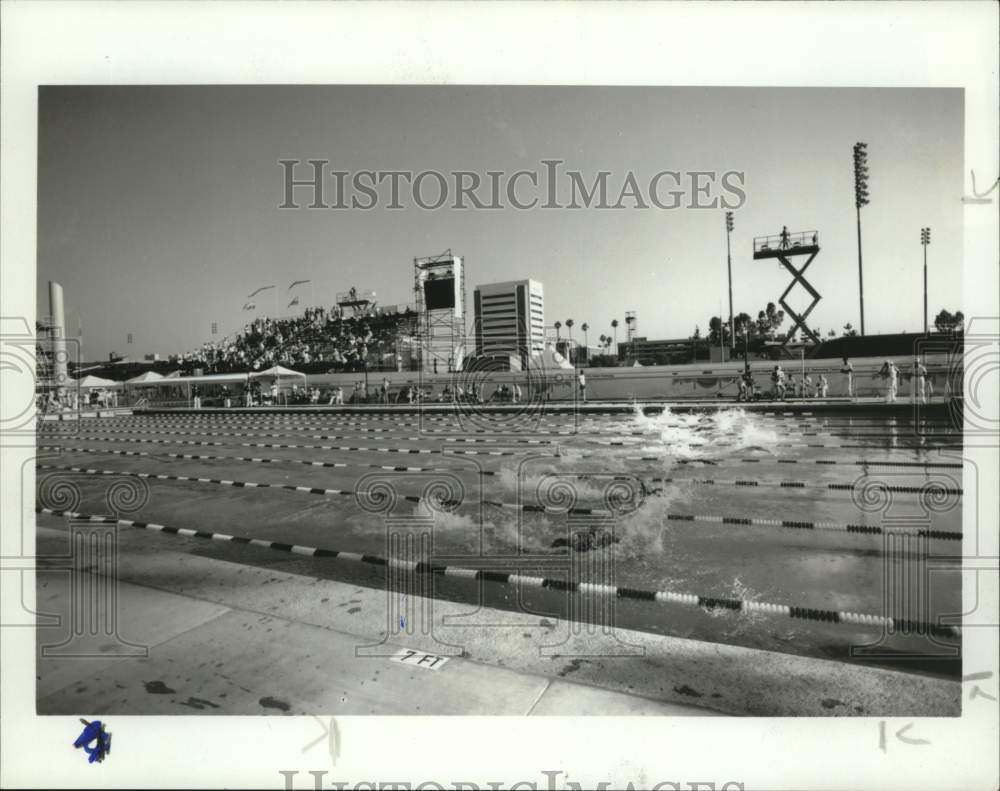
549 359
146 377
276 372
91 382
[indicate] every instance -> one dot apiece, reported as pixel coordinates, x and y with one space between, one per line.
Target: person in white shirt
778 380
890 377
919 381
848 370
582 382
821 386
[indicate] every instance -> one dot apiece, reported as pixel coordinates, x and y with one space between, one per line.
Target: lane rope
528 508
709 603
342 464
210 443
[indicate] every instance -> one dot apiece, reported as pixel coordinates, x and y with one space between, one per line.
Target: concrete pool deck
237 638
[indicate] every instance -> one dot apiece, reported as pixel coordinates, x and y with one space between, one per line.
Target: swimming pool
787 529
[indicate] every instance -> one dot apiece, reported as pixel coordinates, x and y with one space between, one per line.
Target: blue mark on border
94 732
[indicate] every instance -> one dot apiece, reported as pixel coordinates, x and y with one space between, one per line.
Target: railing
356 297
788 241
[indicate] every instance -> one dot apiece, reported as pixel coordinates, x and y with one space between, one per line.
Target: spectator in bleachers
317 336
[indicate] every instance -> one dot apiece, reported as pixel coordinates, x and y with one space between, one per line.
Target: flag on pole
262 288
298 283
294 301
250 306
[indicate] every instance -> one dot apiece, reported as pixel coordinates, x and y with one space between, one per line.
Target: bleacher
317 341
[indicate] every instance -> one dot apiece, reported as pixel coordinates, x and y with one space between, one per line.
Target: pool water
732 504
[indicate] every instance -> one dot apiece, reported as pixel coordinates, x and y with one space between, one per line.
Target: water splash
696 435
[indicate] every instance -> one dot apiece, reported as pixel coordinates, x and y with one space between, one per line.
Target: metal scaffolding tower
439 294
784 246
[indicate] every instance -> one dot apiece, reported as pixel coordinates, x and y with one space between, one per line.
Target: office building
510 319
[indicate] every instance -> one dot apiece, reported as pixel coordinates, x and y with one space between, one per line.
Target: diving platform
785 244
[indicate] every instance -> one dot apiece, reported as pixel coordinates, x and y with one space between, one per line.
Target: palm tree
614 326
558 326
569 329
586 342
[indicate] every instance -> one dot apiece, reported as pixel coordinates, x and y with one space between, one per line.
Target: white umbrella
276 372
91 381
145 377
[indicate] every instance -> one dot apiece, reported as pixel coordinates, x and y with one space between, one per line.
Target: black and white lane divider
387 434
745 607
881 444
211 443
715 462
201 420
294 431
919 465
929 488
290 487
795 524
254 459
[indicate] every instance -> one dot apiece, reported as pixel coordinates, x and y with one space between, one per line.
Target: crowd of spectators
345 343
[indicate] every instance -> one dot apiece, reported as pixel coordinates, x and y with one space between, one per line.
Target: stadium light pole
860 199
729 269
925 239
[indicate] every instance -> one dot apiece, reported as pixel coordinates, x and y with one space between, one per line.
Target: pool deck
208 626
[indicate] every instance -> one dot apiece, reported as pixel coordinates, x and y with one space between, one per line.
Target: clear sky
157 206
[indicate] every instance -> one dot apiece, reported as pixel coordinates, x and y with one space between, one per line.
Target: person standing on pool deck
919 381
848 370
582 381
778 380
889 373
196 396
385 389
